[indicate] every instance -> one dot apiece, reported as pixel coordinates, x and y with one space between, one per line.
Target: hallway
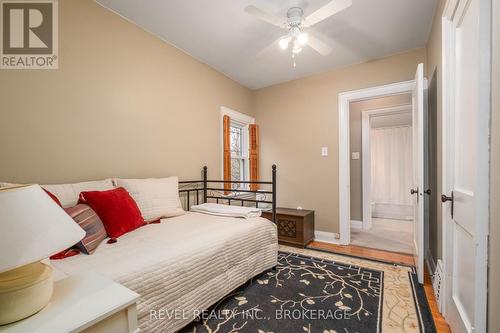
385 234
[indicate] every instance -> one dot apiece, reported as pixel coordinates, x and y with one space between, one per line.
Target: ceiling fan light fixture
295 31
296 48
284 43
295 24
302 38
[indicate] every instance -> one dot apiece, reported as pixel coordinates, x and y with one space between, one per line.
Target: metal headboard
194 189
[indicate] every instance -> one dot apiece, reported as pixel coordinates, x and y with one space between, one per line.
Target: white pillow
156 197
68 193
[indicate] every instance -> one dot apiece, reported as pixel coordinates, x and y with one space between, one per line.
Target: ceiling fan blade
263 16
331 8
319 46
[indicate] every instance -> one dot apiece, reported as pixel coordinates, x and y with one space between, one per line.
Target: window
239 152
235 141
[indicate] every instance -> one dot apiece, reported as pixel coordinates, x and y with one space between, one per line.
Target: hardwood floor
439 321
365 252
393 257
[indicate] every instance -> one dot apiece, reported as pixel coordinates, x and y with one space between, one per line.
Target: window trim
244 121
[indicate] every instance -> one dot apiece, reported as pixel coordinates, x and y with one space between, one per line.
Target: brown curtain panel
254 155
227 152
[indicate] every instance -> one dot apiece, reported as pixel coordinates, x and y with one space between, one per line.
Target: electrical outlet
355 155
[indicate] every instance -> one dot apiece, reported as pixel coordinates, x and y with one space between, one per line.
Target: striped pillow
88 220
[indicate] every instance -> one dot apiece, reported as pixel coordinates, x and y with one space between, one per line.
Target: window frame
244 156
241 120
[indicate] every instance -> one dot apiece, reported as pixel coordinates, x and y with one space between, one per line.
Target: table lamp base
24 291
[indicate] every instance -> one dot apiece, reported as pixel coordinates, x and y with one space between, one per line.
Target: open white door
418 171
466 164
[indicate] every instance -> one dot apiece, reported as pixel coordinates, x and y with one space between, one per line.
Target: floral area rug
318 292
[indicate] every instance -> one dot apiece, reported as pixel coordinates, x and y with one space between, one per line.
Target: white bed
183 264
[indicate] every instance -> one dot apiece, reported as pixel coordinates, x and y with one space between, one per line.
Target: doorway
416 89
381 173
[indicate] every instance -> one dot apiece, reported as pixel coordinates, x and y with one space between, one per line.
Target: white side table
88 303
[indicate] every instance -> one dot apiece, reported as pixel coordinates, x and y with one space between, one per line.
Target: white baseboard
357 224
326 237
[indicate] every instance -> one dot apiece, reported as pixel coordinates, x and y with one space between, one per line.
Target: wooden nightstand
295 226
87 303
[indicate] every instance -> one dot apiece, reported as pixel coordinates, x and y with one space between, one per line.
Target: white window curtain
391 172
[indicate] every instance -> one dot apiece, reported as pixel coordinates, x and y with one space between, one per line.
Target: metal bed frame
202 188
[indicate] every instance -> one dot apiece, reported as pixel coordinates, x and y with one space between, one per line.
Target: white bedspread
185 263
227 210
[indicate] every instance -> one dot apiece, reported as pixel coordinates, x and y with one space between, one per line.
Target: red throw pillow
53 197
65 254
116 209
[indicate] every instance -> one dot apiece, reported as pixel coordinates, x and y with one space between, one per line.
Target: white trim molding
326 237
366 166
235 115
447 54
344 173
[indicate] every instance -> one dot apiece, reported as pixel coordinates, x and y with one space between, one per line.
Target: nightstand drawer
288 226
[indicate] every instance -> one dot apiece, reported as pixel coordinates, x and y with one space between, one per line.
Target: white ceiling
220 34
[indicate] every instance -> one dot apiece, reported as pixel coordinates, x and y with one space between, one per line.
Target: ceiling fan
297 26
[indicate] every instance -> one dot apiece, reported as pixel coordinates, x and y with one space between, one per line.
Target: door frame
344 99
455 9
366 115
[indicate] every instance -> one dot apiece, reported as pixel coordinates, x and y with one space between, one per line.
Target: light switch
355 155
324 151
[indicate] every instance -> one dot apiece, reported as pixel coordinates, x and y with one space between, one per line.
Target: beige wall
433 64
123 103
297 118
494 258
355 144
